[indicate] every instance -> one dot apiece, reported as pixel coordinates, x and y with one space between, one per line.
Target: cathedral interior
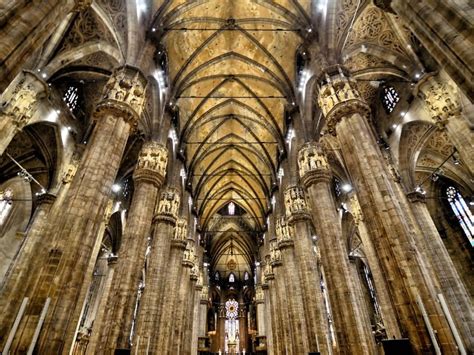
236 177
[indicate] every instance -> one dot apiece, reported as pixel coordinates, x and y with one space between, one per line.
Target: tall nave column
19 105
299 221
353 336
452 287
75 229
417 310
148 177
167 227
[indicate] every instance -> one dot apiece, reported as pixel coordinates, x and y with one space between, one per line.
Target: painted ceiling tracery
232 77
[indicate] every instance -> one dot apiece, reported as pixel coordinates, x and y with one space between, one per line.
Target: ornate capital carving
441 99
124 95
313 165
71 169
151 164
284 233
180 234
204 294
20 99
275 253
296 205
168 206
355 209
259 295
338 97
189 256
81 5
268 271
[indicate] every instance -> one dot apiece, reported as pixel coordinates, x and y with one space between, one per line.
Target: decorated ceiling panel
231 67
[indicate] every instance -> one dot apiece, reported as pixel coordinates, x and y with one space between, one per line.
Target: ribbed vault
232 73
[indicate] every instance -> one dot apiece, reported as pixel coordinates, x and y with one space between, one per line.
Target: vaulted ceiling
231 78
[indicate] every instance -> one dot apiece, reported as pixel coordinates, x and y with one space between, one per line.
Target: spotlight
116 188
346 187
435 177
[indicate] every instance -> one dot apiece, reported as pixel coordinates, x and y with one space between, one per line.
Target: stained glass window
390 98
231 278
70 97
462 212
232 309
5 204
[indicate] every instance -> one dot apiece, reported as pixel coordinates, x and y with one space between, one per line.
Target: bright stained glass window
390 98
231 278
5 204
462 212
70 97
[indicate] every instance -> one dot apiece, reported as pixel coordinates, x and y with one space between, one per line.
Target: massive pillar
298 216
419 314
148 177
445 30
19 104
166 228
353 336
452 287
55 298
289 286
444 106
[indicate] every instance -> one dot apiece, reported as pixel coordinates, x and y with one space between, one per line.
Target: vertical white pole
428 325
11 336
454 330
39 326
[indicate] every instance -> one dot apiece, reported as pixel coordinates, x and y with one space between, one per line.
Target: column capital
124 95
296 205
338 97
441 97
259 295
189 257
416 196
284 232
81 5
204 294
180 236
313 165
20 99
275 253
151 164
168 206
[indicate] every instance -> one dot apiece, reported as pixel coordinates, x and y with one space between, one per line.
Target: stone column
268 319
164 231
444 106
260 304
194 328
275 312
243 328
353 336
434 251
285 299
385 217
99 319
444 29
19 281
64 272
182 298
299 219
148 177
18 105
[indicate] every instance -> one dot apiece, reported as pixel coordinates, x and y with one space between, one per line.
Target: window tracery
71 97
462 212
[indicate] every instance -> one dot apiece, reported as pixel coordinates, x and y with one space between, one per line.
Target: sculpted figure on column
18 105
